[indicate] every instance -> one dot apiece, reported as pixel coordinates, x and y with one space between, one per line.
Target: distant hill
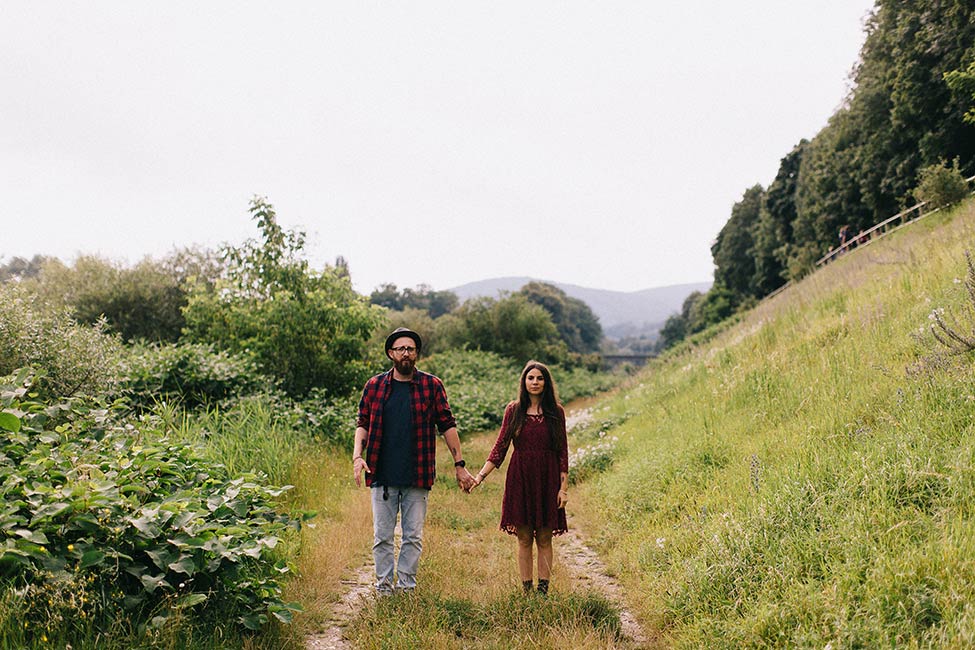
621 313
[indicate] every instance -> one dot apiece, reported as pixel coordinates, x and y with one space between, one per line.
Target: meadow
802 477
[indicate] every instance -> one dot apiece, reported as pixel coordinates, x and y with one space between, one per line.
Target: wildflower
660 542
70 547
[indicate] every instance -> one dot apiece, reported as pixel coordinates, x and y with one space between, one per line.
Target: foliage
575 322
137 527
75 358
511 326
941 185
423 298
19 268
962 84
307 329
191 374
264 433
577 381
141 302
478 384
733 251
588 460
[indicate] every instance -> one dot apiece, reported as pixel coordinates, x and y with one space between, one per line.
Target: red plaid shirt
431 413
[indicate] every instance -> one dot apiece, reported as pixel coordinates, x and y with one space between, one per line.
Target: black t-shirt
397 453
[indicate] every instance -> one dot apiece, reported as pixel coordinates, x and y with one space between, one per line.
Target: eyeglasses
404 349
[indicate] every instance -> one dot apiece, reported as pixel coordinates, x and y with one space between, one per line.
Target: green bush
941 185
74 358
192 374
110 526
140 302
478 384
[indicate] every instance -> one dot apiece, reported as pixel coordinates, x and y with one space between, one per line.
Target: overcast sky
594 143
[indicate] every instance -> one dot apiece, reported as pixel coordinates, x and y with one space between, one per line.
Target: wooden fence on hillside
864 237
885 227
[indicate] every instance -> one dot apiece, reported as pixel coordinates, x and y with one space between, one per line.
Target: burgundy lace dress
531 487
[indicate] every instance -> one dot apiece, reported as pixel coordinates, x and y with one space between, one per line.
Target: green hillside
806 477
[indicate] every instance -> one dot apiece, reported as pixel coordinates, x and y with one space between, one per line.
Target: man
400 413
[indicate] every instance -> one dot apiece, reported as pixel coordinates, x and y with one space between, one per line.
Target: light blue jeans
411 504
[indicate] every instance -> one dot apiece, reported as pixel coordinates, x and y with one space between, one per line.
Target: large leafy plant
127 523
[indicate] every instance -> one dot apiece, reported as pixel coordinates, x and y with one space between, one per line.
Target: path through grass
469 588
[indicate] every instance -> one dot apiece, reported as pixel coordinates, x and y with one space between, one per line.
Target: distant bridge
616 360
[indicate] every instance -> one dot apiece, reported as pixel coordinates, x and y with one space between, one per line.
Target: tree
306 328
576 323
941 185
143 302
773 231
19 268
734 248
435 303
962 85
512 326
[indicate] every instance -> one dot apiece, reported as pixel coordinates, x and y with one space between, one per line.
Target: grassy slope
806 476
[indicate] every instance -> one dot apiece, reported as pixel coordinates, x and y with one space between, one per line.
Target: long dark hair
550 404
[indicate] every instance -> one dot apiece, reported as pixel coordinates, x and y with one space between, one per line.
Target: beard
405 366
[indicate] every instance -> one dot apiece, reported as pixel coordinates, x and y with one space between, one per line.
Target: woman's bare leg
525 540
543 539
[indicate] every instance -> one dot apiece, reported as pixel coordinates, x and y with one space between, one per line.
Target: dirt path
585 566
589 572
358 592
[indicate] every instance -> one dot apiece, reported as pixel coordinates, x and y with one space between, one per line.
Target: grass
806 477
468 585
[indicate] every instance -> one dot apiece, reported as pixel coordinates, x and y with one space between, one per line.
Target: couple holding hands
400 414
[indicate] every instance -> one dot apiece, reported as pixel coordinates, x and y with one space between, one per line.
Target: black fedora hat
400 332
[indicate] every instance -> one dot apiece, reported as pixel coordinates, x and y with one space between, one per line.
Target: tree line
905 131
305 328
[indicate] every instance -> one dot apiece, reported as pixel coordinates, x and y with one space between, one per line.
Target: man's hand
359 464
464 479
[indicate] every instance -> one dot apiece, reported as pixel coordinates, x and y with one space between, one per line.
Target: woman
535 493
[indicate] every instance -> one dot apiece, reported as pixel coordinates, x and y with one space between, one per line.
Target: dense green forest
908 116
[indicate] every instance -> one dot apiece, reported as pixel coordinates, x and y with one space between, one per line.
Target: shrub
74 358
478 384
147 530
141 302
192 374
941 185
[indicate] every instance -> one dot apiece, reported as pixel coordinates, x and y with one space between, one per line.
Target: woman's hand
563 498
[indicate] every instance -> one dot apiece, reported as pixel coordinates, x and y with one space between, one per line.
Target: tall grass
806 477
